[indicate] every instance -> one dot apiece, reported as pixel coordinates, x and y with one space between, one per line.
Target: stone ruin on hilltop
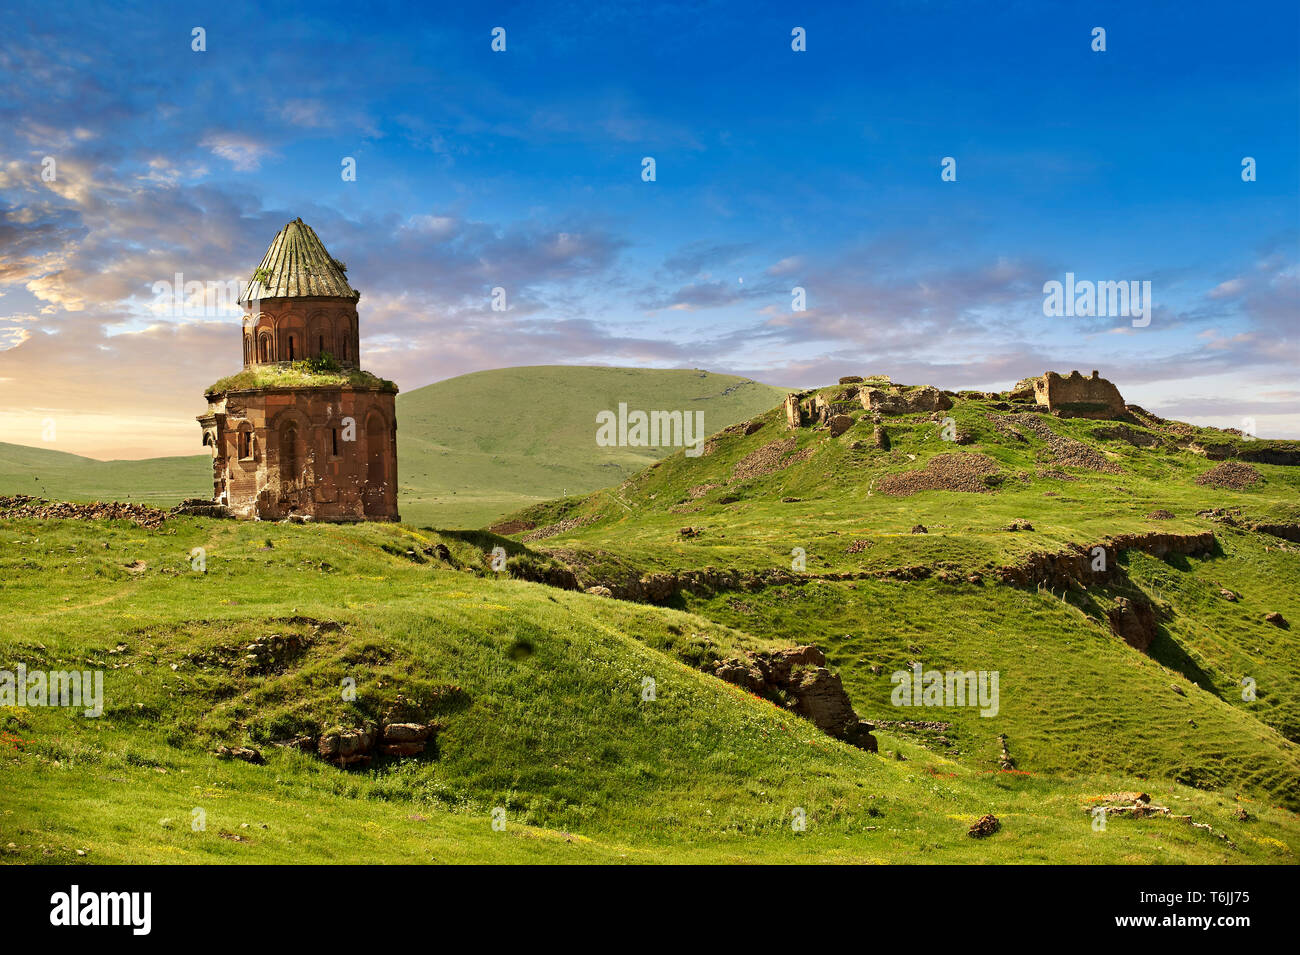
1075 396
876 395
1072 396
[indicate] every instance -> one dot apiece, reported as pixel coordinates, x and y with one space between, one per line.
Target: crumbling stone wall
805 408
894 400
794 410
1079 397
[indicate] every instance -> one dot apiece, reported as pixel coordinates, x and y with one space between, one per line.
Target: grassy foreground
540 696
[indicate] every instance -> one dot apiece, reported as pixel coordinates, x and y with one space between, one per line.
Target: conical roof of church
297 265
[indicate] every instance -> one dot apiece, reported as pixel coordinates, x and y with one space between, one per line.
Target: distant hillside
472 448
61 476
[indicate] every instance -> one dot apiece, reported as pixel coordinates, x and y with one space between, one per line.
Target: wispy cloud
241 150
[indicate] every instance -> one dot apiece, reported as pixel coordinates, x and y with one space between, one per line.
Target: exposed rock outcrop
542 571
1072 568
1134 621
1271 452
357 747
245 753
809 689
1290 532
405 739
1068 569
1232 517
349 747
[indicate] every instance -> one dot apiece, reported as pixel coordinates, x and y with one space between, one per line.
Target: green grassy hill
470 448
924 550
474 447
539 695
60 476
973 554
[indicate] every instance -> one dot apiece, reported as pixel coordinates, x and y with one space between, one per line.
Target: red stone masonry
292 329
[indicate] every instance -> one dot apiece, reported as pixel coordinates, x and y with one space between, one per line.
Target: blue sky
775 169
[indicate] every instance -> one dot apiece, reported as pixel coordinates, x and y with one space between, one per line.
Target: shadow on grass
1166 650
483 540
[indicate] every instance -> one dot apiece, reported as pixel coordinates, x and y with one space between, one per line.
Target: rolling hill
57 475
474 447
470 448
1157 681
978 554
548 748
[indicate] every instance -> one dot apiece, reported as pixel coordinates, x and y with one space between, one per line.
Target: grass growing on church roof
297 374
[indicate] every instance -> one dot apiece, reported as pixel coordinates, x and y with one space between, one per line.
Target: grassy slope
69 477
539 694
470 448
473 447
1074 697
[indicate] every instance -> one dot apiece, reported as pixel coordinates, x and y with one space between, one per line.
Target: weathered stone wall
793 410
1079 397
325 453
894 400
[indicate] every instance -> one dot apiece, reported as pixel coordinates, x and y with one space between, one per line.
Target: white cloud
242 151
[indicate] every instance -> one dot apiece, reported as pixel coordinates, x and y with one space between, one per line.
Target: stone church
302 432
